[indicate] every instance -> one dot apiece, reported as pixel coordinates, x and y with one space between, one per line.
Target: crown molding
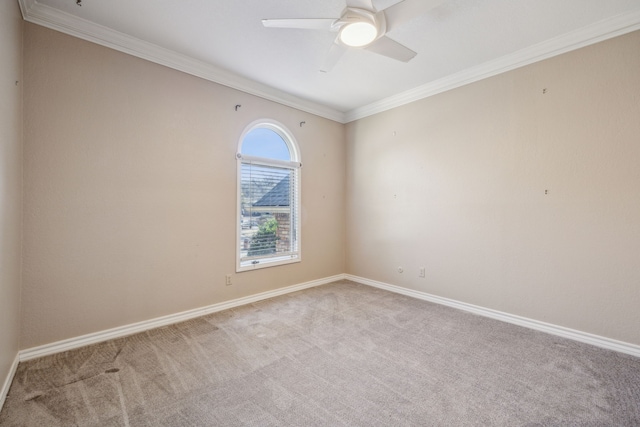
591 34
40 14
49 17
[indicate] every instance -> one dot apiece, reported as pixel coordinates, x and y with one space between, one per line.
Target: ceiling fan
362 26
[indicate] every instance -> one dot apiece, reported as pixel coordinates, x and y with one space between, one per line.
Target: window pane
266 143
268 213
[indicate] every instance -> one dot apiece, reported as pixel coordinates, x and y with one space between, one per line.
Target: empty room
320 213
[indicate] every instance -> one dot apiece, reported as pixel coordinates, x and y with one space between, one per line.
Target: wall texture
130 190
517 193
457 183
10 182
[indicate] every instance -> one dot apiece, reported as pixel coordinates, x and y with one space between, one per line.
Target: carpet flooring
341 354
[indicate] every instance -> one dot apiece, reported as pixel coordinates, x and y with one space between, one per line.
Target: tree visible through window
268 197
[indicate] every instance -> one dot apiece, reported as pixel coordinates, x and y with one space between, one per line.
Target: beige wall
129 178
460 189
10 181
130 190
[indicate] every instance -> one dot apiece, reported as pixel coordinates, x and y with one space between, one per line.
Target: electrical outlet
228 282
423 272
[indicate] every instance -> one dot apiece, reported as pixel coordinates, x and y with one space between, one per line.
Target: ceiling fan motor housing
352 15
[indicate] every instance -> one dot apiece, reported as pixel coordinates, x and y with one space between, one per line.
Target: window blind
269 217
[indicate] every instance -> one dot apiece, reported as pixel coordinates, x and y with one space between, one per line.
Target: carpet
341 354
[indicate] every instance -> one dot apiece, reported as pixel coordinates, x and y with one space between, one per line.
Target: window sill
271 262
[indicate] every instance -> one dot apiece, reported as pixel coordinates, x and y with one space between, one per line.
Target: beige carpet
337 355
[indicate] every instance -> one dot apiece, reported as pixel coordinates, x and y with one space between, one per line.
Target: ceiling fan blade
305 24
361 4
335 53
406 10
392 49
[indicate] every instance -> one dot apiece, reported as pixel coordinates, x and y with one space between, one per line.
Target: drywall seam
7 382
560 331
122 331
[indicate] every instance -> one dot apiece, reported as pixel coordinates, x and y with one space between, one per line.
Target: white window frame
294 163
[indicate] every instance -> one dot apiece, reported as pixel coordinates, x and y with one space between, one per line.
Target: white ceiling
224 41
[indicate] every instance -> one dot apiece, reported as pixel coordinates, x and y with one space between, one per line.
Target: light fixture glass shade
358 34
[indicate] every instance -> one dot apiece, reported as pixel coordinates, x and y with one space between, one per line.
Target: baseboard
561 331
122 331
7 381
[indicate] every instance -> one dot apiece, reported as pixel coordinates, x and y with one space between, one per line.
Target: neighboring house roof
278 196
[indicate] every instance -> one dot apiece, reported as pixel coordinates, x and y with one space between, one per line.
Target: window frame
294 163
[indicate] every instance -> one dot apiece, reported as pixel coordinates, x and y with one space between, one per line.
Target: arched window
268 197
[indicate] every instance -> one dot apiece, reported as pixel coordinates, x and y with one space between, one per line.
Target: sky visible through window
263 142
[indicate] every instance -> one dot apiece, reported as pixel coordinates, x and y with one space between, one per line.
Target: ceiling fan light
358 34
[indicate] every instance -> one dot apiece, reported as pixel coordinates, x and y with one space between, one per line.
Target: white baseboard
596 340
7 381
125 330
121 331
